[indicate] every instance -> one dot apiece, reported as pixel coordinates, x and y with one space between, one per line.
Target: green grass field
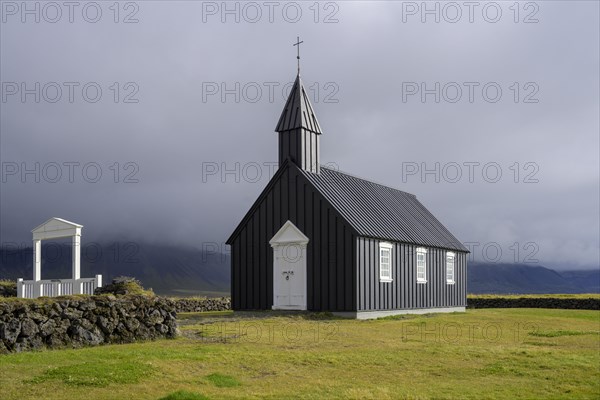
486 353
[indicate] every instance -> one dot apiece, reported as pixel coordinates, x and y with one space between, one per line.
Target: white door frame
289 263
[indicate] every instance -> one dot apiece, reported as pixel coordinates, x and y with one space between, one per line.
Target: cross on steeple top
298 56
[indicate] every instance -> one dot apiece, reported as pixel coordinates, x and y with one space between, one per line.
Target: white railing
57 287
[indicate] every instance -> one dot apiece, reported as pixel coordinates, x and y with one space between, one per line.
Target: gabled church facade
322 240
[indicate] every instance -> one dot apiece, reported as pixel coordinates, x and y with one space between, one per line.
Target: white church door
289 268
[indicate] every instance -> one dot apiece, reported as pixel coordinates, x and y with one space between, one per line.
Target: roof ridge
367 180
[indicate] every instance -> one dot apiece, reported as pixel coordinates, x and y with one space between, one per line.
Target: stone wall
77 321
194 304
534 302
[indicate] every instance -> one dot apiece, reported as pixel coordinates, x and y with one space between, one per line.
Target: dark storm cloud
162 158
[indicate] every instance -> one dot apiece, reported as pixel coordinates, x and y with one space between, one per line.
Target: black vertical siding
332 247
350 268
404 292
262 278
243 271
235 271
331 279
299 145
316 251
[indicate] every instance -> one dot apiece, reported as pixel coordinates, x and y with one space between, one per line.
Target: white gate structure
56 228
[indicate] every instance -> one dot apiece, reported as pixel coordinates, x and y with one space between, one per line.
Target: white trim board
388 313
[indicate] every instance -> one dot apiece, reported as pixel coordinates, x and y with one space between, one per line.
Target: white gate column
37 260
76 257
76 264
37 267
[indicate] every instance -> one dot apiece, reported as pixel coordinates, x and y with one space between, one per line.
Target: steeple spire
298 112
298 128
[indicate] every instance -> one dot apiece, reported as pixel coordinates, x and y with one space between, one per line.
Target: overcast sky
498 102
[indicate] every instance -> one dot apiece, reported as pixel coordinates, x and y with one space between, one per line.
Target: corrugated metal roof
378 211
298 112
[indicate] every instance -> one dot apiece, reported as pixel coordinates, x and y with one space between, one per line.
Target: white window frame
450 272
423 278
383 248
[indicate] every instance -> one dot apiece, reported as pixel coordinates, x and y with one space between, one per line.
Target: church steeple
299 130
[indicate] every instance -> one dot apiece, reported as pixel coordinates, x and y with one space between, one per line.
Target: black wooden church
322 240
